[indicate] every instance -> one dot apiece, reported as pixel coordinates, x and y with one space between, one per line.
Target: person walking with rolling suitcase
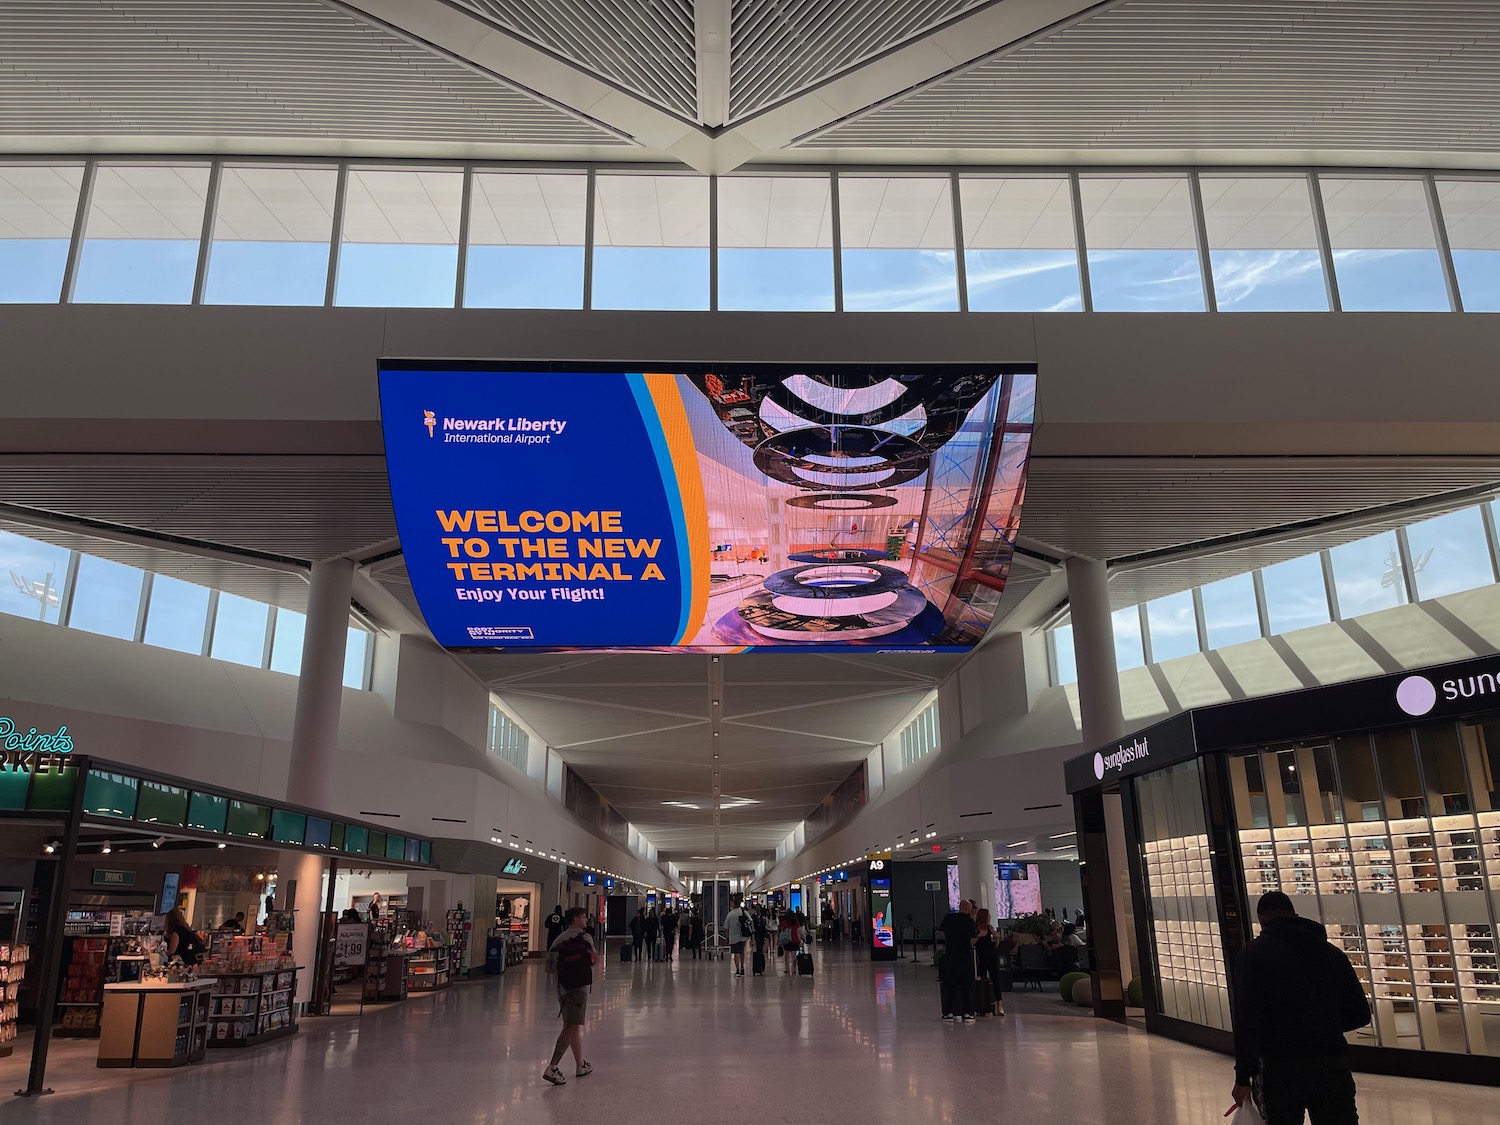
987 966
762 936
788 941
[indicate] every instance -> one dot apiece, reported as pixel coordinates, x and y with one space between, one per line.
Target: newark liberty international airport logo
429 419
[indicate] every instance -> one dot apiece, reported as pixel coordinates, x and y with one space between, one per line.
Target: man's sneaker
968 1019
584 1067
949 1019
555 1076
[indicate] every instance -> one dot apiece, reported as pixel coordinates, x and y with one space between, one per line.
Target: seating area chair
1033 966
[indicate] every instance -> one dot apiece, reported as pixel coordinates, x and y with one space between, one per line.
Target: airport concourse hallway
689 1042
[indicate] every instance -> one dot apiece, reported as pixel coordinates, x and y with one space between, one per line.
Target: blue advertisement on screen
706 508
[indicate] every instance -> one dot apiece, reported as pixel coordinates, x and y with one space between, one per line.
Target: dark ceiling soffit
1226 543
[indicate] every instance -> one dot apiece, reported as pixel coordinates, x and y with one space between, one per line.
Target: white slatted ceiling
236 68
779 47
646 46
1332 74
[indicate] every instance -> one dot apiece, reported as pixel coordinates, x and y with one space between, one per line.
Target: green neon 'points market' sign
26 749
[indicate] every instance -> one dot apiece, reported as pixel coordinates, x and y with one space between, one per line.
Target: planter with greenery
1036 925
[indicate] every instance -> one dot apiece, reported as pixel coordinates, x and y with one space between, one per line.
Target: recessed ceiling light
1015 844
1062 835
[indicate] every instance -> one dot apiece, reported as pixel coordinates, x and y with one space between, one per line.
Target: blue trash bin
494 956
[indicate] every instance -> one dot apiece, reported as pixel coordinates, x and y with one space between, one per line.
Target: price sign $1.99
349 944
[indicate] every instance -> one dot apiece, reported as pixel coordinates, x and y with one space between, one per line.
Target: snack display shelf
253 1007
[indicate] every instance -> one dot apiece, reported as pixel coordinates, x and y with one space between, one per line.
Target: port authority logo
1123 755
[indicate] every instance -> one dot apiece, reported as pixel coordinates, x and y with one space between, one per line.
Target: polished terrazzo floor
687 1042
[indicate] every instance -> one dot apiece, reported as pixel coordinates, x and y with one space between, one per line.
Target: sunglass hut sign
1418 695
1122 756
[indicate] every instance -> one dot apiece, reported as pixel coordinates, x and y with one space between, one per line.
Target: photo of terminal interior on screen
712 508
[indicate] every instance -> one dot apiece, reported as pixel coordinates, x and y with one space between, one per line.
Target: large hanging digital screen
709 508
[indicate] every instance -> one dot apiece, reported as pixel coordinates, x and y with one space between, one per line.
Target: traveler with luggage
739 929
762 938
956 970
987 966
789 942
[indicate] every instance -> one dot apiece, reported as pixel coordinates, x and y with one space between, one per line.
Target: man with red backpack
571 958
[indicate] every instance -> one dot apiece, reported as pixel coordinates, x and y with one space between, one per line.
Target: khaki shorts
574 1005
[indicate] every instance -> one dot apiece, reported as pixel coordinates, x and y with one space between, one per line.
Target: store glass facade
1392 841
1190 980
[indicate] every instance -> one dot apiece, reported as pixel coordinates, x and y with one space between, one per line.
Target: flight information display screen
708 508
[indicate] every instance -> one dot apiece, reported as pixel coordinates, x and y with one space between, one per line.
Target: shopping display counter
155 1023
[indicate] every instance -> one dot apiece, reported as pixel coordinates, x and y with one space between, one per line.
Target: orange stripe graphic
679 434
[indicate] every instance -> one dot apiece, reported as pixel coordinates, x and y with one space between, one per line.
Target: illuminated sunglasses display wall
712 508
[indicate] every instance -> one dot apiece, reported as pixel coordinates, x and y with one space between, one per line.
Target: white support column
320 690
299 887
976 873
1103 722
1094 652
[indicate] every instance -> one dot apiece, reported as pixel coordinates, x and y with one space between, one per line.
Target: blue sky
151 271
1450 553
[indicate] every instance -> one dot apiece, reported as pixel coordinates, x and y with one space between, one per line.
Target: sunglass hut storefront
1373 804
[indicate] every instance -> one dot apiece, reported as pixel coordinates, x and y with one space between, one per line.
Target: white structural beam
710 146
711 31
465 36
971 38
